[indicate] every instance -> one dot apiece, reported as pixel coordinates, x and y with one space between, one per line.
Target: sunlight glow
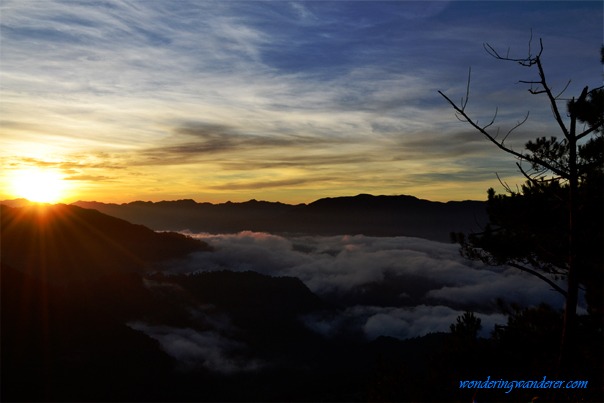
39 185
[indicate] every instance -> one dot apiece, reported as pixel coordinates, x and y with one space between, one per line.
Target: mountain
63 242
129 337
361 214
18 202
84 320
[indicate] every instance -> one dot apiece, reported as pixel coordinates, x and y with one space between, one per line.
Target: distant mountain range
361 214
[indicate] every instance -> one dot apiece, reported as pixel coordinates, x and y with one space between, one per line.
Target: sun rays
39 185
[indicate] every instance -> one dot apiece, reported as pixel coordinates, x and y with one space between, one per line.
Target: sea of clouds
428 283
400 287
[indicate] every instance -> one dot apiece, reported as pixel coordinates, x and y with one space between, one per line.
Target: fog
373 322
394 286
193 348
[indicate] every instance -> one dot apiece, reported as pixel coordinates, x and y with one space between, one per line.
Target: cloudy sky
281 101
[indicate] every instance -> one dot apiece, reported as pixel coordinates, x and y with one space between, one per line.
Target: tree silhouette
467 326
552 226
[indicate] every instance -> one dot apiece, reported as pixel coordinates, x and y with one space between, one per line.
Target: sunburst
39 185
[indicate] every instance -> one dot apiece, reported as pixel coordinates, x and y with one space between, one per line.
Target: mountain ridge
253 201
381 215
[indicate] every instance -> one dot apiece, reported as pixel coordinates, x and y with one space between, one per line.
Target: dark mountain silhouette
361 214
61 242
72 342
72 282
68 341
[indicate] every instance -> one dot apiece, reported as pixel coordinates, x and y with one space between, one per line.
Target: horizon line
252 199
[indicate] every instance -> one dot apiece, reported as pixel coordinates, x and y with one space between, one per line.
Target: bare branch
464 103
555 286
537 178
504 184
520 123
563 89
552 99
535 181
527 176
492 120
501 146
588 131
537 92
530 43
529 82
528 61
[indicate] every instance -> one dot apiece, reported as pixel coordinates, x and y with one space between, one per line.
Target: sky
118 101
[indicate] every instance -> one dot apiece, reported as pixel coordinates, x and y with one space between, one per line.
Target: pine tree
552 226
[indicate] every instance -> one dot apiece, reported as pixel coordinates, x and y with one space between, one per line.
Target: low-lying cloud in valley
193 348
394 286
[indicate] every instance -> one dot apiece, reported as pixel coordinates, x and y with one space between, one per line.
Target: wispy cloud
169 83
251 185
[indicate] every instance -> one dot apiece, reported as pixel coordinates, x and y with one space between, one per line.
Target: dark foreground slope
361 214
84 320
61 242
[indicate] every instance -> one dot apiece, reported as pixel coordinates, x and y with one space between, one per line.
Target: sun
39 185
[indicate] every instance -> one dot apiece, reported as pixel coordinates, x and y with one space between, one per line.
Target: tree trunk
569 329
